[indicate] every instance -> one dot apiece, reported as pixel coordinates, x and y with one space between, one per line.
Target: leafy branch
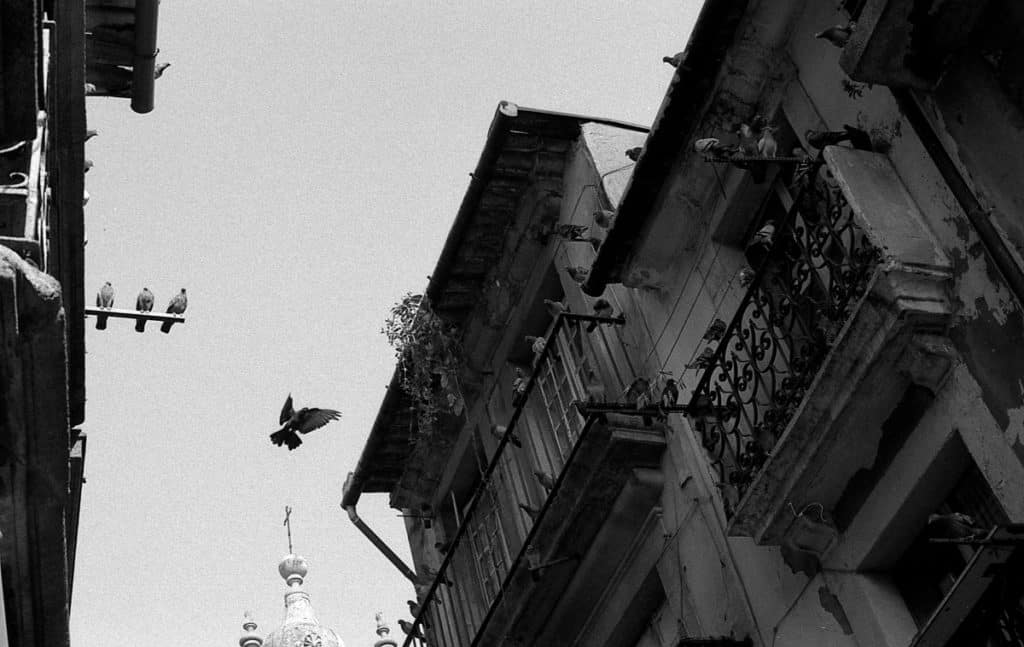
429 353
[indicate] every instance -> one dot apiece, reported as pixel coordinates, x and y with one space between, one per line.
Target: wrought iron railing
459 601
810 270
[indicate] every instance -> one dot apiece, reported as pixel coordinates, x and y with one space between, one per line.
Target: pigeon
637 390
572 232
498 431
767 146
159 70
858 138
555 308
414 610
838 35
90 133
85 197
704 360
176 307
634 153
442 546
760 244
87 166
955 525
105 300
537 344
746 276
578 273
518 388
669 394
604 218
298 422
407 627
602 308
90 88
675 61
143 303
715 331
711 146
530 511
748 140
545 480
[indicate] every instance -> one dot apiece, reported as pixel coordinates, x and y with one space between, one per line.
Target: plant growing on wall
428 353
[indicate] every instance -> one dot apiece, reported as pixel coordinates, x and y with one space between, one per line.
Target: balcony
519 573
23 194
846 310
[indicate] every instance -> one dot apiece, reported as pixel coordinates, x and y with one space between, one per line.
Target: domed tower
383 630
300 627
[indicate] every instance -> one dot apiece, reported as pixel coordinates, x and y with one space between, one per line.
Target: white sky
298 175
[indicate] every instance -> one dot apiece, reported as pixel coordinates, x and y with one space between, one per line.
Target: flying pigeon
604 218
176 307
602 308
555 308
545 480
767 146
578 273
634 153
838 35
518 388
143 303
104 299
298 422
704 360
159 70
715 330
675 61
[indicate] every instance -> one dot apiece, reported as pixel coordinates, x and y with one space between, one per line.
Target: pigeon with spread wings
303 421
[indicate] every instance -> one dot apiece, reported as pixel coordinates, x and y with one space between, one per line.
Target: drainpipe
144 60
976 214
350 497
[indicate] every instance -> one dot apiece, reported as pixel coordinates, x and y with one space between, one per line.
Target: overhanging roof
688 92
522 144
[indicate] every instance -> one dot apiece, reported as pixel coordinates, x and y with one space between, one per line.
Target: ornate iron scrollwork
815 267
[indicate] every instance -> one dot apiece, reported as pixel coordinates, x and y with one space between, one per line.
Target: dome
300 627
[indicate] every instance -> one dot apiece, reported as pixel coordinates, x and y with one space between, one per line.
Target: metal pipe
378 542
144 60
976 214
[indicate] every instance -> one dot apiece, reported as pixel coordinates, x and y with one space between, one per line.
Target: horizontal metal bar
134 314
700 410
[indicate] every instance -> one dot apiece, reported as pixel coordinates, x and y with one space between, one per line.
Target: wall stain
830 603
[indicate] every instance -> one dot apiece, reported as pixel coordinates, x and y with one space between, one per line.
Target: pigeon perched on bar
303 421
746 276
537 344
143 303
634 153
530 511
176 307
518 387
104 299
159 70
669 394
407 627
838 35
498 431
414 610
766 145
555 308
602 308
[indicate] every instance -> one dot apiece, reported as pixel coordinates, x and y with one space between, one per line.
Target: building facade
740 404
53 53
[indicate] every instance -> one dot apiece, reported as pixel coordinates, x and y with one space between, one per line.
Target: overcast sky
298 175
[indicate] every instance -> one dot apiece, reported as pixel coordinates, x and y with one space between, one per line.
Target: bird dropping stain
829 602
